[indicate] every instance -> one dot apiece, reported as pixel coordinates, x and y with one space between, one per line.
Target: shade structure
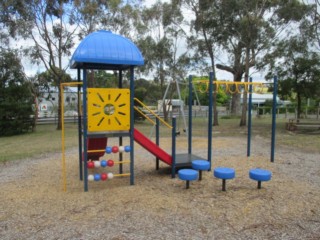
106 50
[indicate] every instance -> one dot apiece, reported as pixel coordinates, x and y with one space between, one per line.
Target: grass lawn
46 139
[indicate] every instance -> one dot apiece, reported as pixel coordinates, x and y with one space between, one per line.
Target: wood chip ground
33 205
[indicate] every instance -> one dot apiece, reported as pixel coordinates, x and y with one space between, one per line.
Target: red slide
151 147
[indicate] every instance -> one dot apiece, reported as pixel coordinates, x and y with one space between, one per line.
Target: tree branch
225 68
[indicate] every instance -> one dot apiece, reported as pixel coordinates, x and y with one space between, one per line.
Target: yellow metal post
63 161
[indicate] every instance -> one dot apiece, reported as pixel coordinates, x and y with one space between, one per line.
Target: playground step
260 175
188 175
224 174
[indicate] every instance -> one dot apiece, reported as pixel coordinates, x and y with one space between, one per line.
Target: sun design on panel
108 109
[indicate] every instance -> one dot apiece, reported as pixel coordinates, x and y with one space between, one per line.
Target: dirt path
33 205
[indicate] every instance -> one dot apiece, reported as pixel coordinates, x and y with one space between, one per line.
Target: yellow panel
108 109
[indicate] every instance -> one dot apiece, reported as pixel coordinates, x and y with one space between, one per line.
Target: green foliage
15 96
102 79
222 97
298 70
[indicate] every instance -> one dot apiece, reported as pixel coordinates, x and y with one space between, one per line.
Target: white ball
110 175
90 177
97 164
121 149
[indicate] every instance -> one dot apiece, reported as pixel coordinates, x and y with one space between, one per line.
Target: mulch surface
34 206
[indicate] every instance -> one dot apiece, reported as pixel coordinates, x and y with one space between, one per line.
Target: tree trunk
243 121
299 104
236 97
235 104
36 113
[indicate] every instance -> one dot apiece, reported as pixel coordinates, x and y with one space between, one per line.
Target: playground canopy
106 50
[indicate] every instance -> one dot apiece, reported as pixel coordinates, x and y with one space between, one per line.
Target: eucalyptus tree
159 38
259 25
299 73
202 40
117 16
245 30
296 61
315 22
12 24
50 26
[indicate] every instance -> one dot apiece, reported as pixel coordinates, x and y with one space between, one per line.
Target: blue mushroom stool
224 174
260 175
188 175
200 165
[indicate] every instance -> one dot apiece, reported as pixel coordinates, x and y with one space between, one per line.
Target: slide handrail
151 112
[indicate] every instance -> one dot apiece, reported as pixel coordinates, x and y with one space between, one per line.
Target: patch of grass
46 139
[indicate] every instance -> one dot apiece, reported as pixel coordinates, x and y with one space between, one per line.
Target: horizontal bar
121 175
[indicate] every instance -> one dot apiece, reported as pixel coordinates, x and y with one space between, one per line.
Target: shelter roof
106 50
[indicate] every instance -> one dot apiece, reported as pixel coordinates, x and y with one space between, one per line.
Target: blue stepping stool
188 175
260 175
224 174
200 165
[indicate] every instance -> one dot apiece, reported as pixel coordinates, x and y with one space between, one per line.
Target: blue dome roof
105 50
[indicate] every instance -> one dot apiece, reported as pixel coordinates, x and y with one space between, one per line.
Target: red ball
110 163
115 149
90 164
104 176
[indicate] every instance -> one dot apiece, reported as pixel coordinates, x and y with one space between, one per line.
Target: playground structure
108 113
248 88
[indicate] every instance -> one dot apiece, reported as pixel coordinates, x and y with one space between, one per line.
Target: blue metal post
190 116
79 127
249 119
274 112
210 121
157 140
131 125
85 136
173 166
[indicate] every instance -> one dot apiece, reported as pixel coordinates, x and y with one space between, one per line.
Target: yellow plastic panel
108 109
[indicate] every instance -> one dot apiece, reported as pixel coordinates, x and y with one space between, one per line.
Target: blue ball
103 163
108 149
127 148
97 177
